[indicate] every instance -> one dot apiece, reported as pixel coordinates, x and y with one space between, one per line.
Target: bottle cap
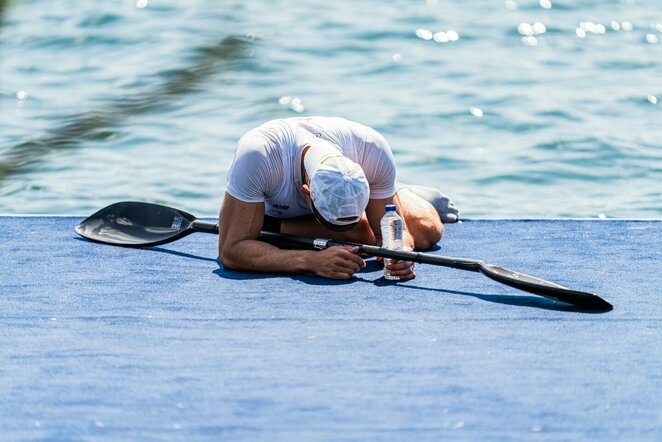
390 207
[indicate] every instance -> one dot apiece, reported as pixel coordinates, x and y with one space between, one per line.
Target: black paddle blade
544 288
136 224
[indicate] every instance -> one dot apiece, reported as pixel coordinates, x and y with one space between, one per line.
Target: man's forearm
258 256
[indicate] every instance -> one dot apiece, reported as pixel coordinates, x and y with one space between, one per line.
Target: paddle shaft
321 244
205 226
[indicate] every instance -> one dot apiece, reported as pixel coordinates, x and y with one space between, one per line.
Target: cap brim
331 226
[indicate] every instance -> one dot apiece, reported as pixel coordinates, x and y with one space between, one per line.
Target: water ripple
137 98
94 125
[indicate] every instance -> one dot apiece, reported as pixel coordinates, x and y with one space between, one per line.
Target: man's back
267 163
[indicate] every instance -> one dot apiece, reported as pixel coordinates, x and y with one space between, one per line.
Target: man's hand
403 269
338 262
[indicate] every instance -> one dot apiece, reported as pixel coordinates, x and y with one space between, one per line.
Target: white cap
338 186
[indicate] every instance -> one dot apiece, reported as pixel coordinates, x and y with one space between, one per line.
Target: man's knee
422 220
427 232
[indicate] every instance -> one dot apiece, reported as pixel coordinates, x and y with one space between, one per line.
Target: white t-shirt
267 163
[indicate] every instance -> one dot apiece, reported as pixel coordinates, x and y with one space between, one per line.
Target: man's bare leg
447 210
422 219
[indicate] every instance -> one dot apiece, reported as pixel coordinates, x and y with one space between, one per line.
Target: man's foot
447 210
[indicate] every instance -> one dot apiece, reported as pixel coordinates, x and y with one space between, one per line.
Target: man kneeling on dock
321 177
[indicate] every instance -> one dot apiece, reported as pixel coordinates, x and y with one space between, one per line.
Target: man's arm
239 249
375 211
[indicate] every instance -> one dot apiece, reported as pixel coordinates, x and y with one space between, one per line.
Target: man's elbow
227 259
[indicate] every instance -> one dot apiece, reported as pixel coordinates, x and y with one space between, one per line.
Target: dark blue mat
101 342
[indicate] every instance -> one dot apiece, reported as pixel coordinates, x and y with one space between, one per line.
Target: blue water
526 109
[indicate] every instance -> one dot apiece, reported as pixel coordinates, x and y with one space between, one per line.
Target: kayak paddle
138 224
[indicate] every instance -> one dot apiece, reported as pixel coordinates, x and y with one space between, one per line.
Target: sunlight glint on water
515 109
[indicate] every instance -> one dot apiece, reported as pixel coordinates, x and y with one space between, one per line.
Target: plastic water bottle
391 226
